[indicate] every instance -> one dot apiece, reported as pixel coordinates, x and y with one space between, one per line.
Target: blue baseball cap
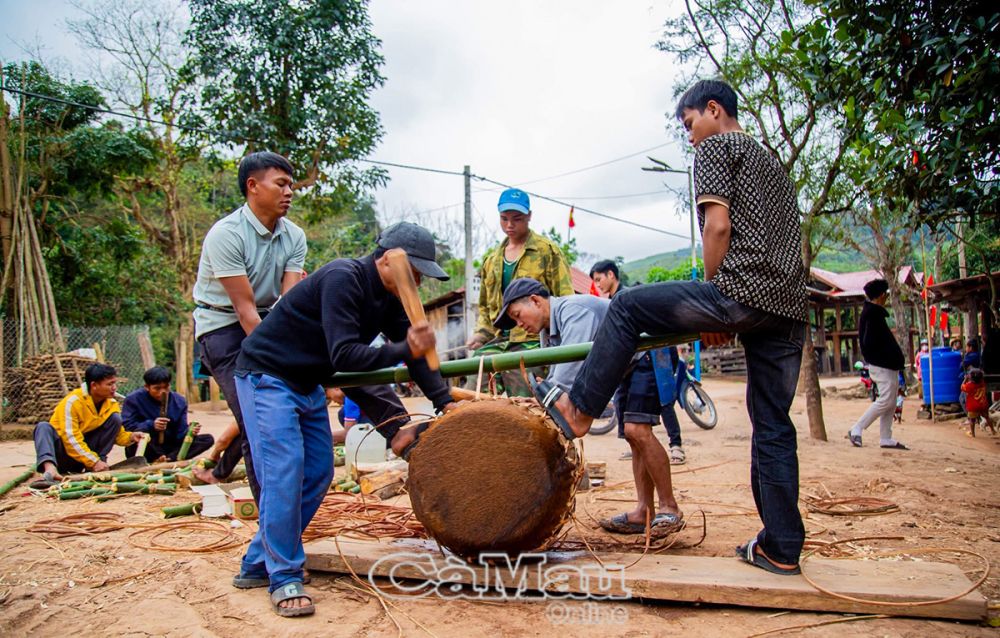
516 200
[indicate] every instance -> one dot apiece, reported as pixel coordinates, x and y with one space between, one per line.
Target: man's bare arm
289 279
715 237
241 295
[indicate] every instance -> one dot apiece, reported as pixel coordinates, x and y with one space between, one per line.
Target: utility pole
470 271
663 167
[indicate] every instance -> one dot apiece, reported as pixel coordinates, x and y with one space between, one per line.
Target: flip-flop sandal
748 554
547 393
420 429
619 524
895 446
666 523
677 456
854 439
43 483
290 591
246 581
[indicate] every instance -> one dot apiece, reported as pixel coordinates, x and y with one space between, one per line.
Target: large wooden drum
493 476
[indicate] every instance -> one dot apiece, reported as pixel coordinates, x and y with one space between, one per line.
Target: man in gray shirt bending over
575 319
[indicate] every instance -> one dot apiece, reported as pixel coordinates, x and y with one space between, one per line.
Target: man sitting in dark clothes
142 412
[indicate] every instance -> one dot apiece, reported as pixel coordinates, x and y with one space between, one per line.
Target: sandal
619 524
748 554
677 456
44 483
246 581
666 523
547 393
291 591
895 446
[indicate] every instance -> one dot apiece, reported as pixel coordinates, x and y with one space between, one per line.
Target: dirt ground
104 585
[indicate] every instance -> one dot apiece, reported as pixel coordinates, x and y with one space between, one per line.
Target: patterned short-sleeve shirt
763 267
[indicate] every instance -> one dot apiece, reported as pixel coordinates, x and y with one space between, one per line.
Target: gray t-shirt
238 244
572 319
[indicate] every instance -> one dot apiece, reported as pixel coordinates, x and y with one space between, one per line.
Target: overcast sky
520 90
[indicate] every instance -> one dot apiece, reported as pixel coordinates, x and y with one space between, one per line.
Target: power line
586 210
586 168
234 137
197 129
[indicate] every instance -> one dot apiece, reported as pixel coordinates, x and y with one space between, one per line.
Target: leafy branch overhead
292 77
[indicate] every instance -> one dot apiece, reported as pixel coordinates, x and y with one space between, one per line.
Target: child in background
976 404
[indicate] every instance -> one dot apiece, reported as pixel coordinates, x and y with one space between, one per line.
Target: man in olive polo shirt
248 260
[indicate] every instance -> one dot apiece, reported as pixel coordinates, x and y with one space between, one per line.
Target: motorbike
691 396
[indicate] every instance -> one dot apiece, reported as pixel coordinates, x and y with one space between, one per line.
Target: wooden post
145 349
98 353
182 372
62 376
213 394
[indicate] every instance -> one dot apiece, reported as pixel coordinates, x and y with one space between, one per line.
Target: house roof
582 283
851 285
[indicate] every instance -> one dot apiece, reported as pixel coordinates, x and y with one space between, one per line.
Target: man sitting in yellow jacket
84 427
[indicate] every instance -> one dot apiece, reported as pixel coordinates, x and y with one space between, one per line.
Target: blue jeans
292 446
773 347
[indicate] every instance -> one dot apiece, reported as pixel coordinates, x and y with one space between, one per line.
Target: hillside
842 260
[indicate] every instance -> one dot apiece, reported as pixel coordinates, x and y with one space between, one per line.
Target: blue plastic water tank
947 375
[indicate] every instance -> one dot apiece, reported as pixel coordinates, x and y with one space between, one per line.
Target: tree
921 77
749 46
568 248
294 78
679 273
66 163
144 40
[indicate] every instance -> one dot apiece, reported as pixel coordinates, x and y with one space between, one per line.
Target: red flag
928 282
572 224
593 289
933 319
944 321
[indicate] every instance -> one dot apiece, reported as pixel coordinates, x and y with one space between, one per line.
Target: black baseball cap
419 245
517 289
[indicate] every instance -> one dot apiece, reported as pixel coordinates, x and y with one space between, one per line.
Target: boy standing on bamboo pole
248 260
755 287
84 427
322 326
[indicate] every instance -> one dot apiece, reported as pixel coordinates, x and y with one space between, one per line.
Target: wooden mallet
402 276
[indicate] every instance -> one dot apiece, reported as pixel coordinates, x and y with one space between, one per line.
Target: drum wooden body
493 476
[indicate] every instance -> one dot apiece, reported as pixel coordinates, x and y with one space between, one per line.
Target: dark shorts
638 398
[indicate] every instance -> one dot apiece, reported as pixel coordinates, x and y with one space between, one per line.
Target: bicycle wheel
699 406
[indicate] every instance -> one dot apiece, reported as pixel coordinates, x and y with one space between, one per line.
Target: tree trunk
808 374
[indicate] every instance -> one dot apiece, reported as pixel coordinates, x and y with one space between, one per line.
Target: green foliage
295 78
681 272
107 274
568 248
916 82
639 269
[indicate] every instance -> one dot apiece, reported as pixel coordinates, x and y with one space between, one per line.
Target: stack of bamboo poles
34 389
107 485
25 289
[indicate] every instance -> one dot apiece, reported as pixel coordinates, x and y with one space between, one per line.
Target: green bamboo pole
188 440
21 478
174 511
66 496
498 362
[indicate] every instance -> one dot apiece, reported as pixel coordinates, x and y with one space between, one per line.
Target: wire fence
32 383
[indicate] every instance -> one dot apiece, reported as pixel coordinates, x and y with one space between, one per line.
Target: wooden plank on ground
702 579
